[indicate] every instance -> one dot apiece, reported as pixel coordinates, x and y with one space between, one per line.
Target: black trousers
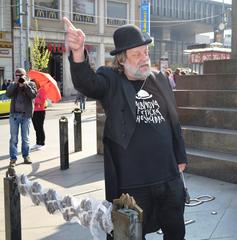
38 123
163 207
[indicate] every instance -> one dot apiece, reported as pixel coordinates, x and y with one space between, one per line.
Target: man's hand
75 41
182 167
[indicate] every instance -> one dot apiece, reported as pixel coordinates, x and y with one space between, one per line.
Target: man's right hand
75 41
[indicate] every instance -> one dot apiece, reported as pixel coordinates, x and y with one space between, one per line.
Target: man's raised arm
75 40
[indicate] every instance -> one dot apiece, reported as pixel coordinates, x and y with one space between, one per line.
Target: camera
21 80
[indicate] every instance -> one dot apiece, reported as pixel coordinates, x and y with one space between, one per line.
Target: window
108 57
92 51
84 11
49 9
117 13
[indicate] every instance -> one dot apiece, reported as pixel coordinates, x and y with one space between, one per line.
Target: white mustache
144 64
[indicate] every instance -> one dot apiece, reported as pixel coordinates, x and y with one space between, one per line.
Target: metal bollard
127 219
77 130
63 135
12 205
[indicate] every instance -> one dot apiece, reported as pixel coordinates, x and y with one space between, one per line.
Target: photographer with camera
22 92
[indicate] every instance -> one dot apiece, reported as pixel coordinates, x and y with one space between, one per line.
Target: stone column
234 30
132 12
101 49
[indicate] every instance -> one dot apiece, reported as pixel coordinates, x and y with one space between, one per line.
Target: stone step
206 98
220 66
207 82
212 164
211 139
225 118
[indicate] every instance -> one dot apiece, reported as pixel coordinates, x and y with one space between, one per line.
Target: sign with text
164 63
205 56
18 9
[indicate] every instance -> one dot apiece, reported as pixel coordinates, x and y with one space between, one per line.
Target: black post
12 205
77 130
63 135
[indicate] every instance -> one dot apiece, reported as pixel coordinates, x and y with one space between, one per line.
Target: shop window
117 13
92 51
47 9
84 11
108 57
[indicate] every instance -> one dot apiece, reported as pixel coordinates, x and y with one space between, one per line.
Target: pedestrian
170 77
177 73
81 99
22 92
4 85
39 116
143 146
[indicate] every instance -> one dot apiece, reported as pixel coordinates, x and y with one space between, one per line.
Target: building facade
97 18
5 41
174 24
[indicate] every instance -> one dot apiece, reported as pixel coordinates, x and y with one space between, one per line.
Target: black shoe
27 160
12 163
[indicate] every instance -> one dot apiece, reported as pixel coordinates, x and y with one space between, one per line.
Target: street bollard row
88 212
12 206
63 135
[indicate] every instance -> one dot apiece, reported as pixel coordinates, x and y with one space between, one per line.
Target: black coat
117 97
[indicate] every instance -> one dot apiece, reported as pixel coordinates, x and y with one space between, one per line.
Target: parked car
5 102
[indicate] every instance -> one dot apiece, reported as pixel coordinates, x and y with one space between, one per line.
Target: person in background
22 92
5 85
176 73
81 98
144 150
169 75
39 116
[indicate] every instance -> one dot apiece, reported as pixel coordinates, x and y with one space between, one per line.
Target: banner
18 11
145 17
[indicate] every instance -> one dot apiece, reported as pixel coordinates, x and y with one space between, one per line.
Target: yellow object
4 103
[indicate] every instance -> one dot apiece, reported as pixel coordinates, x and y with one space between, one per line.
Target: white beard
136 73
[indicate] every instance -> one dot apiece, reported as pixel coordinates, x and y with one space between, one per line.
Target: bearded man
143 147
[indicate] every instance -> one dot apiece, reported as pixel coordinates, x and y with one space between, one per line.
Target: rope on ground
89 212
199 200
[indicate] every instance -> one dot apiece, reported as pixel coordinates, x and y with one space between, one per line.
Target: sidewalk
84 178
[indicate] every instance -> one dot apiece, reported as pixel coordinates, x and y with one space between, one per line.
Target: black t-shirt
149 158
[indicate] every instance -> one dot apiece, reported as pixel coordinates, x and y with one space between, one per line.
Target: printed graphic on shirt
148 109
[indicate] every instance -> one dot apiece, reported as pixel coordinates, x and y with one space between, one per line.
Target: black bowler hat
127 37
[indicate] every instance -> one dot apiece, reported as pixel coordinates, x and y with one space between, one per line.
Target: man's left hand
22 84
182 167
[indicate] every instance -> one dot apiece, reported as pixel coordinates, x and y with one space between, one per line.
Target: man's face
18 77
137 65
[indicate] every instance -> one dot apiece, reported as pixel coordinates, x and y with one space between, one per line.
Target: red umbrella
47 82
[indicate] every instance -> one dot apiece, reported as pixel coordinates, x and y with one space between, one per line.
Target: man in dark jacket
22 92
143 146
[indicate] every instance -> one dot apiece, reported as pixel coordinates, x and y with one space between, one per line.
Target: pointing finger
68 23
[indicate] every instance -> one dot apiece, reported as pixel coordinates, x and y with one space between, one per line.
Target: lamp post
27 14
21 32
